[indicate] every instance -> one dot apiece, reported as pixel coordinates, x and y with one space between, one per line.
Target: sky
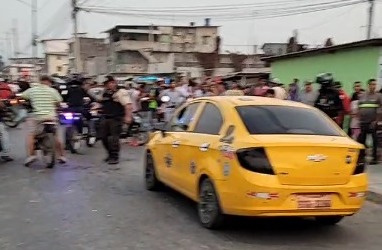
343 25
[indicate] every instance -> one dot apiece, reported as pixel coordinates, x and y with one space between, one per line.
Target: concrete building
27 67
90 48
275 49
357 61
138 50
56 56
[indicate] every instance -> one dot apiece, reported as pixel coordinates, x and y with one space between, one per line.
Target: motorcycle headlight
68 116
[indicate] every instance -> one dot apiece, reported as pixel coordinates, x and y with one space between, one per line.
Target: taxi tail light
255 160
361 165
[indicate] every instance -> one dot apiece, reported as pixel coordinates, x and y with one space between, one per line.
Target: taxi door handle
175 144
204 147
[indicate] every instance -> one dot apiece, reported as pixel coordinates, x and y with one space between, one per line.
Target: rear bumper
273 199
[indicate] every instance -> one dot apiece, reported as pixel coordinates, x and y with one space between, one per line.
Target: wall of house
347 66
57 64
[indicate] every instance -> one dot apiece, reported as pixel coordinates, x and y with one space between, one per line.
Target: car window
181 121
210 121
285 120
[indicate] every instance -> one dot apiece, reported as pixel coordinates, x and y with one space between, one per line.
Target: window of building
59 69
59 58
205 40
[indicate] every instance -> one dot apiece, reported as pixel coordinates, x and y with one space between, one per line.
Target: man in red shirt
5 90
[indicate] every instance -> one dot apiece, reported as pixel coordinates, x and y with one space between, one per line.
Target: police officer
369 113
328 100
117 109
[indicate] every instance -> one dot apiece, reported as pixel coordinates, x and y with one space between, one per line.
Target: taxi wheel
209 211
151 181
329 220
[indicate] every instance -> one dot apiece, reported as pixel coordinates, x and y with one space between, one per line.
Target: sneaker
113 161
30 160
62 160
6 158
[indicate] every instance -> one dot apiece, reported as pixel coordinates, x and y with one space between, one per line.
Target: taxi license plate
315 201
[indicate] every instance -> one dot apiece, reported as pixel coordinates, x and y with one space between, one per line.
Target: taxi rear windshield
285 120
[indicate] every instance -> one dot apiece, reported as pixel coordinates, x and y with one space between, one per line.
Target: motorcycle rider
116 108
44 100
328 100
75 98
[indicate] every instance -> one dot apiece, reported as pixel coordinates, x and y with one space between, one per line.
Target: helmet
325 79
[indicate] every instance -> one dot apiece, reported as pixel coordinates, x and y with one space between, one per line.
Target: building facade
56 56
160 49
358 61
90 48
274 49
27 68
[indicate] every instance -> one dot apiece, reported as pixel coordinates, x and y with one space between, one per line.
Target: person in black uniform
328 100
116 108
75 99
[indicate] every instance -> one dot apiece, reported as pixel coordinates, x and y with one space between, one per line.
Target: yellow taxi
255 156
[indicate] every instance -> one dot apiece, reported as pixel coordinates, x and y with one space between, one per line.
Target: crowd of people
363 106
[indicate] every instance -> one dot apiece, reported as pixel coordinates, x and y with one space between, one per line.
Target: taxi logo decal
316 158
227 151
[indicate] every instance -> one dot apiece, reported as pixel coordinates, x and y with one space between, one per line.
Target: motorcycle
168 107
79 128
14 112
45 142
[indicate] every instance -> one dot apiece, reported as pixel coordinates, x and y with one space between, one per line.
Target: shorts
35 125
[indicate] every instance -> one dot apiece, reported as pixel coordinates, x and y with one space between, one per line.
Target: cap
108 79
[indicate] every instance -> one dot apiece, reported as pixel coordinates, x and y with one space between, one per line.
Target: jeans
4 135
111 129
21 112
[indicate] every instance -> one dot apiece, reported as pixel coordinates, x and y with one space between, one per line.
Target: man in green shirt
44 100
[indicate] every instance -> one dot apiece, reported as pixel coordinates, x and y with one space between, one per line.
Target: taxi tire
328 220
154 184
217 220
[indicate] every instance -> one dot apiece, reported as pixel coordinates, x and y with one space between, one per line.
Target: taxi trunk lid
311 160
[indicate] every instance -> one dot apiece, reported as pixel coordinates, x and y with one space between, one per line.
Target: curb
374 197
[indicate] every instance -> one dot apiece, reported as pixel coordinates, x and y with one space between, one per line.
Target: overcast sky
343 25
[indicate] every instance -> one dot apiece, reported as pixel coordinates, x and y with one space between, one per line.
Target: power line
245 15
23 2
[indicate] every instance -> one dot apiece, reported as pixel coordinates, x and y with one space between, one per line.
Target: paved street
86 205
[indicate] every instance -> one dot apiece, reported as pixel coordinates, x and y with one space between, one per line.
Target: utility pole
15 35
370 18
34 29
8 39
77 53
34 38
